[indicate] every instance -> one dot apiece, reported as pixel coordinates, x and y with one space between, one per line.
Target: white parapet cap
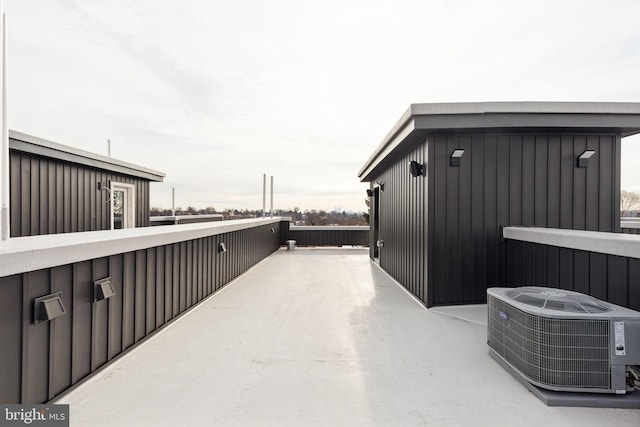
626 245
42 147
329 228
23 254
630 222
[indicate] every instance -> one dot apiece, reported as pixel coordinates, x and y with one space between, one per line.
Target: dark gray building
55 188
448 177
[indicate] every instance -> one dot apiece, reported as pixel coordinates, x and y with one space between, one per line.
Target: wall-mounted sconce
103 289
222 248
381 185
48 308
454 160
105 186
273 230
369 193
416 169
583 159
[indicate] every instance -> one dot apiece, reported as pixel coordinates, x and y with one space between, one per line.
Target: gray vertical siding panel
540 173
82 324
453 291
62 338
553 181
15 199
60 198
140 300
37 284
116 306
44 196
607 215
579 186
25 195
128 300
617 281
100 329
160 286
597 266
188 266
34 194
593 184
52 184
581 274
490 208
607 277
66 201
168 283
73 202
150 287
633 277
567 197
11 309
502 202
182 265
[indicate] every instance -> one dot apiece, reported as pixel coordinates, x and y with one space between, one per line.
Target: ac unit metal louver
563 340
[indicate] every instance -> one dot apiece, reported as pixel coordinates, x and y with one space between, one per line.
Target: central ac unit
563 340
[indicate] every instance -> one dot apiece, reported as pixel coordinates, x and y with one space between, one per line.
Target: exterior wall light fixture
369 193
454 160
583 159
48 308
222 248
103 289
381 185
416 169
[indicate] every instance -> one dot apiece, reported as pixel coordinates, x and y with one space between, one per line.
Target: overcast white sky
216 93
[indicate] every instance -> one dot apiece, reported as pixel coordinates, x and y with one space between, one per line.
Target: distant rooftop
319 337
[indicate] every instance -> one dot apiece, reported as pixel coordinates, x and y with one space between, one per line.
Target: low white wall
627 245
22 254
329 227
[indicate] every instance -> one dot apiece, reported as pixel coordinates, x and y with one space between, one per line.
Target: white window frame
129 217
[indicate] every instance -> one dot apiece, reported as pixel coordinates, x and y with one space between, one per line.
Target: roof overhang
503 117
41 147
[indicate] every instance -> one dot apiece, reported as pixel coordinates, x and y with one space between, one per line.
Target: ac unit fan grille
554 352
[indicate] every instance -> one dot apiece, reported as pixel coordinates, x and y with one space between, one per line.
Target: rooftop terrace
318 337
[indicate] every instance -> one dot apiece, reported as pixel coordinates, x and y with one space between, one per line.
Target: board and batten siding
511 179
607 277
153 286
402 223
452 219
50 196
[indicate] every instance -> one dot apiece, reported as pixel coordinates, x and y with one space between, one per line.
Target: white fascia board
42 147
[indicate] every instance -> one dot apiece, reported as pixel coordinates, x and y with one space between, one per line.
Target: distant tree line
299 217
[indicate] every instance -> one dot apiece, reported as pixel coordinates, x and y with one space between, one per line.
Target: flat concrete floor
318 337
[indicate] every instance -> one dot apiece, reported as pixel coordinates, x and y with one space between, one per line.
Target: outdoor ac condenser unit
562 340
